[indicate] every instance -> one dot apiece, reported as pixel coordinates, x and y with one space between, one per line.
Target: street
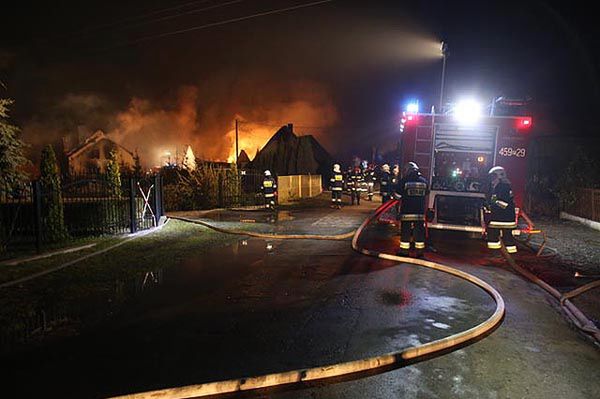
255 307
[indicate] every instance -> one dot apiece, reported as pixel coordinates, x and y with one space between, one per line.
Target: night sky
359 61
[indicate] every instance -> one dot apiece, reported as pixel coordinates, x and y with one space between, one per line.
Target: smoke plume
154 127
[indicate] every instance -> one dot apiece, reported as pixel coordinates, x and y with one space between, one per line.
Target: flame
250 138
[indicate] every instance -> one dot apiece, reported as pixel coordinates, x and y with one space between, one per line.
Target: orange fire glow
250 138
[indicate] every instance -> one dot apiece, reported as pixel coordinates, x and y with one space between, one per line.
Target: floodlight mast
444 49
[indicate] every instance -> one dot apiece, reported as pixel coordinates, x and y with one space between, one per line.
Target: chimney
291 127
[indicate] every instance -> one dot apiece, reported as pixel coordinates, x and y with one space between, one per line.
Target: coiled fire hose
356 368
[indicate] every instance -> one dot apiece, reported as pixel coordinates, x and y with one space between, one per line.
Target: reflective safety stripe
269 195
511 249
339 200
336 189
404 245
502 204
411 184
412 217
494 245
419 245
503 225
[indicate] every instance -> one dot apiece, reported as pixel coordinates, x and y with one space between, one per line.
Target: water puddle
54 313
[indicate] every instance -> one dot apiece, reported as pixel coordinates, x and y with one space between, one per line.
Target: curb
587 222
130 237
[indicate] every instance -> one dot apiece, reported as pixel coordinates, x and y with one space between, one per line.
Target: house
92 155
288 154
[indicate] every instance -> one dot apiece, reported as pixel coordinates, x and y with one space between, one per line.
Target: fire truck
456 149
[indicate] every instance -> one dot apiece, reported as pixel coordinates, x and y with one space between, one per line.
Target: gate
83 205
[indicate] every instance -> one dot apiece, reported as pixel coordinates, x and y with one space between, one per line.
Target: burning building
288 154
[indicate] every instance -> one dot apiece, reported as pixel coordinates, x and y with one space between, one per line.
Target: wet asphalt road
261 306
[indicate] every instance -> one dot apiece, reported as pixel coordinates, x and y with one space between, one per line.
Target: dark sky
365 57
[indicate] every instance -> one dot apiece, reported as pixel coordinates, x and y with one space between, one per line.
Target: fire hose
351 369
577 317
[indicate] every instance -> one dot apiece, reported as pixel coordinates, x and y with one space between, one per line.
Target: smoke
154 127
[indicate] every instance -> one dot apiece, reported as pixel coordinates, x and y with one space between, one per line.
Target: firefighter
355 182
395 178
337 186
412 189
369 177
501 205
385 183
269 189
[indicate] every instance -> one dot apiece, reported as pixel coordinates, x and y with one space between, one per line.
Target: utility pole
236 141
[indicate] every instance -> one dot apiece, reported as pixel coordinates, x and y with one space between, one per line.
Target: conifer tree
52 204
11 149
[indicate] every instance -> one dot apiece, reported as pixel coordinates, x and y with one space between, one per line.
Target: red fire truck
456 150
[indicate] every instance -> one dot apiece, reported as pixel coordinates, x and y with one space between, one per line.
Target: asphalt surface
259 306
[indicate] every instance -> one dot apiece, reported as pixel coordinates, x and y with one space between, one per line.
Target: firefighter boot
404 249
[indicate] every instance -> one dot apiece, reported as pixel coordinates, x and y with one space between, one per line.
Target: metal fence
85 205
586 204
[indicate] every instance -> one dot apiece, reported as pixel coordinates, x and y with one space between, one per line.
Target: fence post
592 191
37 209
162 196
220 191
132 203
157 208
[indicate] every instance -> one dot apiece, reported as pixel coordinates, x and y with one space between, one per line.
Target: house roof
92 140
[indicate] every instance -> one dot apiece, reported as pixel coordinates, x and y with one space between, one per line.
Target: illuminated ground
254 307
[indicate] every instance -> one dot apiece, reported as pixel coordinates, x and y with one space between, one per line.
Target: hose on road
356 368
343 236
579 319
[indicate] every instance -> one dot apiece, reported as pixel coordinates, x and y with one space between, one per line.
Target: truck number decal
512 152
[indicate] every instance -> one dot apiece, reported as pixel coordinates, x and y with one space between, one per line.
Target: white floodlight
412 108
468 111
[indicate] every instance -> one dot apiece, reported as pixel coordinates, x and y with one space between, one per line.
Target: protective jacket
369 176
385 183
502 206
269 186
337 182
355 181
412 189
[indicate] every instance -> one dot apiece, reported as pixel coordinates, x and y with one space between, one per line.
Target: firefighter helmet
411 167
498 171
385 167
267 173
336 168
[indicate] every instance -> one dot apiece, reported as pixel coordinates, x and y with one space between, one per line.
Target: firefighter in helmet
412 189
369 177
337 186
385 183
501 205
355 184
269 189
